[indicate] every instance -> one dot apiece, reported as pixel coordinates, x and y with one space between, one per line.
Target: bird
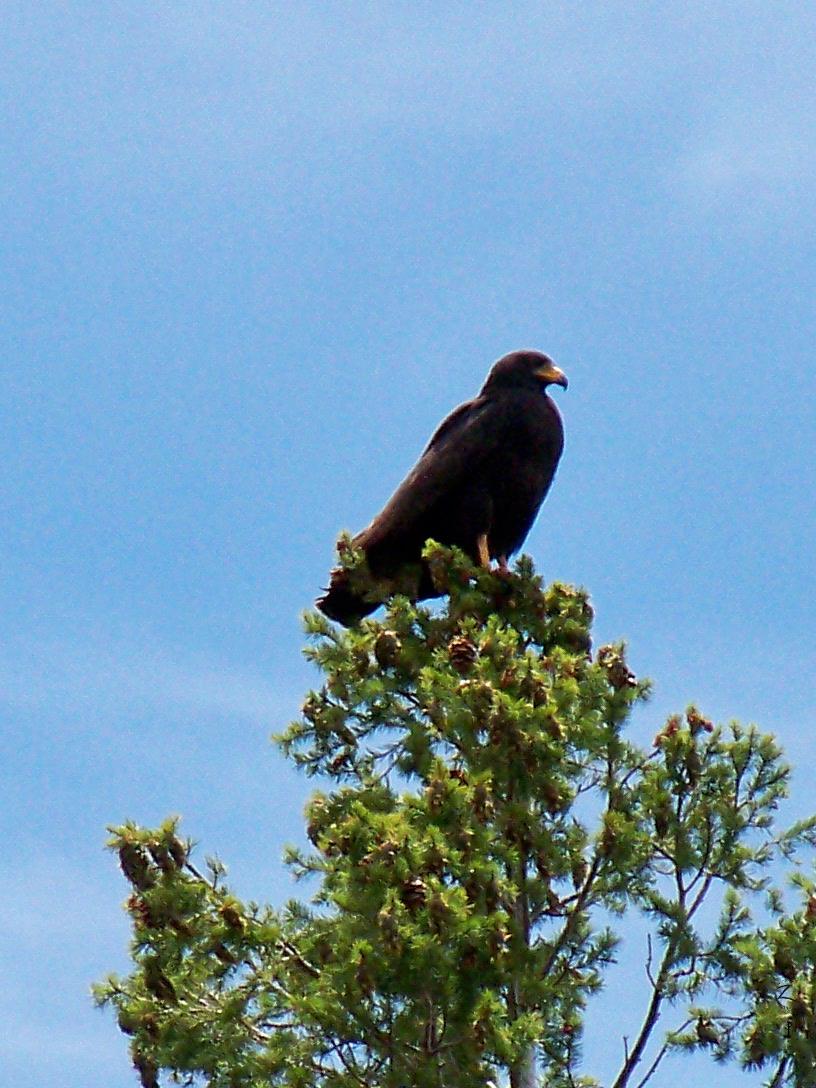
478 484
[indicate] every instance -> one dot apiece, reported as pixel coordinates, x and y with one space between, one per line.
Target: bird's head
524 370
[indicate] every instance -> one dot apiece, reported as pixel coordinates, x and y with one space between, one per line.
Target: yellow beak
553 375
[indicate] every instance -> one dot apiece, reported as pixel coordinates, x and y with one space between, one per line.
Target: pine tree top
482 816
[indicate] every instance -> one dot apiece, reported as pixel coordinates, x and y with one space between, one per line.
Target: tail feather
341 603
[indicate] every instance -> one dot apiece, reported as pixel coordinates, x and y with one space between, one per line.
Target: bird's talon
483 550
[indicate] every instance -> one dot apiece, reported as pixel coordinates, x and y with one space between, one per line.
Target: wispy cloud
83 675
750 112
86 1043
52 885
162 89
58 930
765 155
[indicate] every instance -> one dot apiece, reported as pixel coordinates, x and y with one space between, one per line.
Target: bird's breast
522 469
533 429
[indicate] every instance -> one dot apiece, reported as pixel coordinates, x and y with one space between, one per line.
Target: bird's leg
484 551
503 567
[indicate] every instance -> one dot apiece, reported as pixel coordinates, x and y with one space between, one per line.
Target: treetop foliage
483 827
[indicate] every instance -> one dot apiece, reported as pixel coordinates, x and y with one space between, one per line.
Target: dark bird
478 484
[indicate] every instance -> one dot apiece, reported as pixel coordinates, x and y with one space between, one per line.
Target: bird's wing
455 450
461 418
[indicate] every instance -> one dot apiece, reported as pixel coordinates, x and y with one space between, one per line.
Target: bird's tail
341 603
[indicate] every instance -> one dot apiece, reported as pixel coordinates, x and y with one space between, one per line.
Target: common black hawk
478 484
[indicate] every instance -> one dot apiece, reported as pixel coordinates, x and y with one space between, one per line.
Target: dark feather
486 471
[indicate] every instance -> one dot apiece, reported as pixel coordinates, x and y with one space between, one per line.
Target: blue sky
251 255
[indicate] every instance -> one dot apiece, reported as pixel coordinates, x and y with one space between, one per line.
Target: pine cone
694 766
537 691
438 910
436 793
128 1021
222 953
162 856
388 924
482 801
799 1013
387 649
135 866
784 965
462 653
579 872
662 819
611 659
470 957
696 721
707 1033
178 851
158 983
670 729
414 893
231 915
554 800
147 1069
493 896
141 912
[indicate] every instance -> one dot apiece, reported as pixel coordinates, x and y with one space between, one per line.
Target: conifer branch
460 923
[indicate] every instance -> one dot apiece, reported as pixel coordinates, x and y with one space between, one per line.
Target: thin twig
649 1021
706 854
649 951
780 1074
572 919
701 894
289 949
660 1056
